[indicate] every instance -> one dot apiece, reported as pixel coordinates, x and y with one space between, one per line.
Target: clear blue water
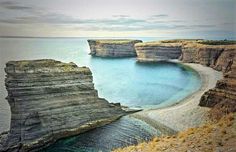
118 80
124 132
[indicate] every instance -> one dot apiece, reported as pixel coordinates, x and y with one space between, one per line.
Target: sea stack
50 100
113 47
156 51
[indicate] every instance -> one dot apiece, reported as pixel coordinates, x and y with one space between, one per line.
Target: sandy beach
186 113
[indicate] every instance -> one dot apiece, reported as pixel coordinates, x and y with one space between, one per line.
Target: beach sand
186 113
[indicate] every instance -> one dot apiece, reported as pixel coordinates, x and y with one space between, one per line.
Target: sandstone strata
50 100
156 51
221 56
218 57
223 96
113 47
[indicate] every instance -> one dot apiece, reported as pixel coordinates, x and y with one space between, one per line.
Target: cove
148 85
143 85
137 85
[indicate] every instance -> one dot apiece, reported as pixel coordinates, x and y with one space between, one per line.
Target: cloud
120 16
159 15
122 22
108 24
13 6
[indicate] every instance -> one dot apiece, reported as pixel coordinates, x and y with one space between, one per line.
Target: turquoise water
118 80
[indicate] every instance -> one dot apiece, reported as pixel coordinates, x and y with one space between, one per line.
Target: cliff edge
113 47
156 51
160 50
50 100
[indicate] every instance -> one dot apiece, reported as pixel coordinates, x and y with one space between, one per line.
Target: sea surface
137 85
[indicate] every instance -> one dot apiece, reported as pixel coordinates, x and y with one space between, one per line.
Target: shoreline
186 113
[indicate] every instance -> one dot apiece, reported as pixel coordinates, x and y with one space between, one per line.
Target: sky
118 18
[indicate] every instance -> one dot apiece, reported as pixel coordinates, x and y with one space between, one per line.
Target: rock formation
216 56
156 51
223 96
50 100
161 50
113 47
221 56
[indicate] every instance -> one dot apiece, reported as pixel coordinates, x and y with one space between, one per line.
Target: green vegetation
34 63
116 41
179 40
217 42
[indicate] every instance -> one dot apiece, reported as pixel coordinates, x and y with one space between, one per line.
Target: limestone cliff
223 96
50 100
113 47
220 55
217 56
156 51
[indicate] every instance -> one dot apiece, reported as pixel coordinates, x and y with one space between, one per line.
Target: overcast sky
118 18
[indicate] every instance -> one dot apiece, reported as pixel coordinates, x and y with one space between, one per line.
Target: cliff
223 97
218 55
156 51
50 100
113 47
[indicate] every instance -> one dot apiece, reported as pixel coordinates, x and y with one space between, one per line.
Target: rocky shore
113 47
50 100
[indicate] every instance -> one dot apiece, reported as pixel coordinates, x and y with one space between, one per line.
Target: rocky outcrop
223 96
216 56
156 51
50 100
113 47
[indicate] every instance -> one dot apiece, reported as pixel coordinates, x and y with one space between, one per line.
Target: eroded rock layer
50 100
113 48
218 57
223 97
156 51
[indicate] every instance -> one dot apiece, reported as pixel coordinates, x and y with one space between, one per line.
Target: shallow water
118 80
121 133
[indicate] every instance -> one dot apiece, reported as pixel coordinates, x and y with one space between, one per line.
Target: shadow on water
124 132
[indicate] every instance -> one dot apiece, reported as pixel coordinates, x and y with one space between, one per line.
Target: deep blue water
118 80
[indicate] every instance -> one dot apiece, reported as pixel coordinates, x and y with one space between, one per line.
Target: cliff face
156 51
221 57
113 48
218 57
223 96
50 100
